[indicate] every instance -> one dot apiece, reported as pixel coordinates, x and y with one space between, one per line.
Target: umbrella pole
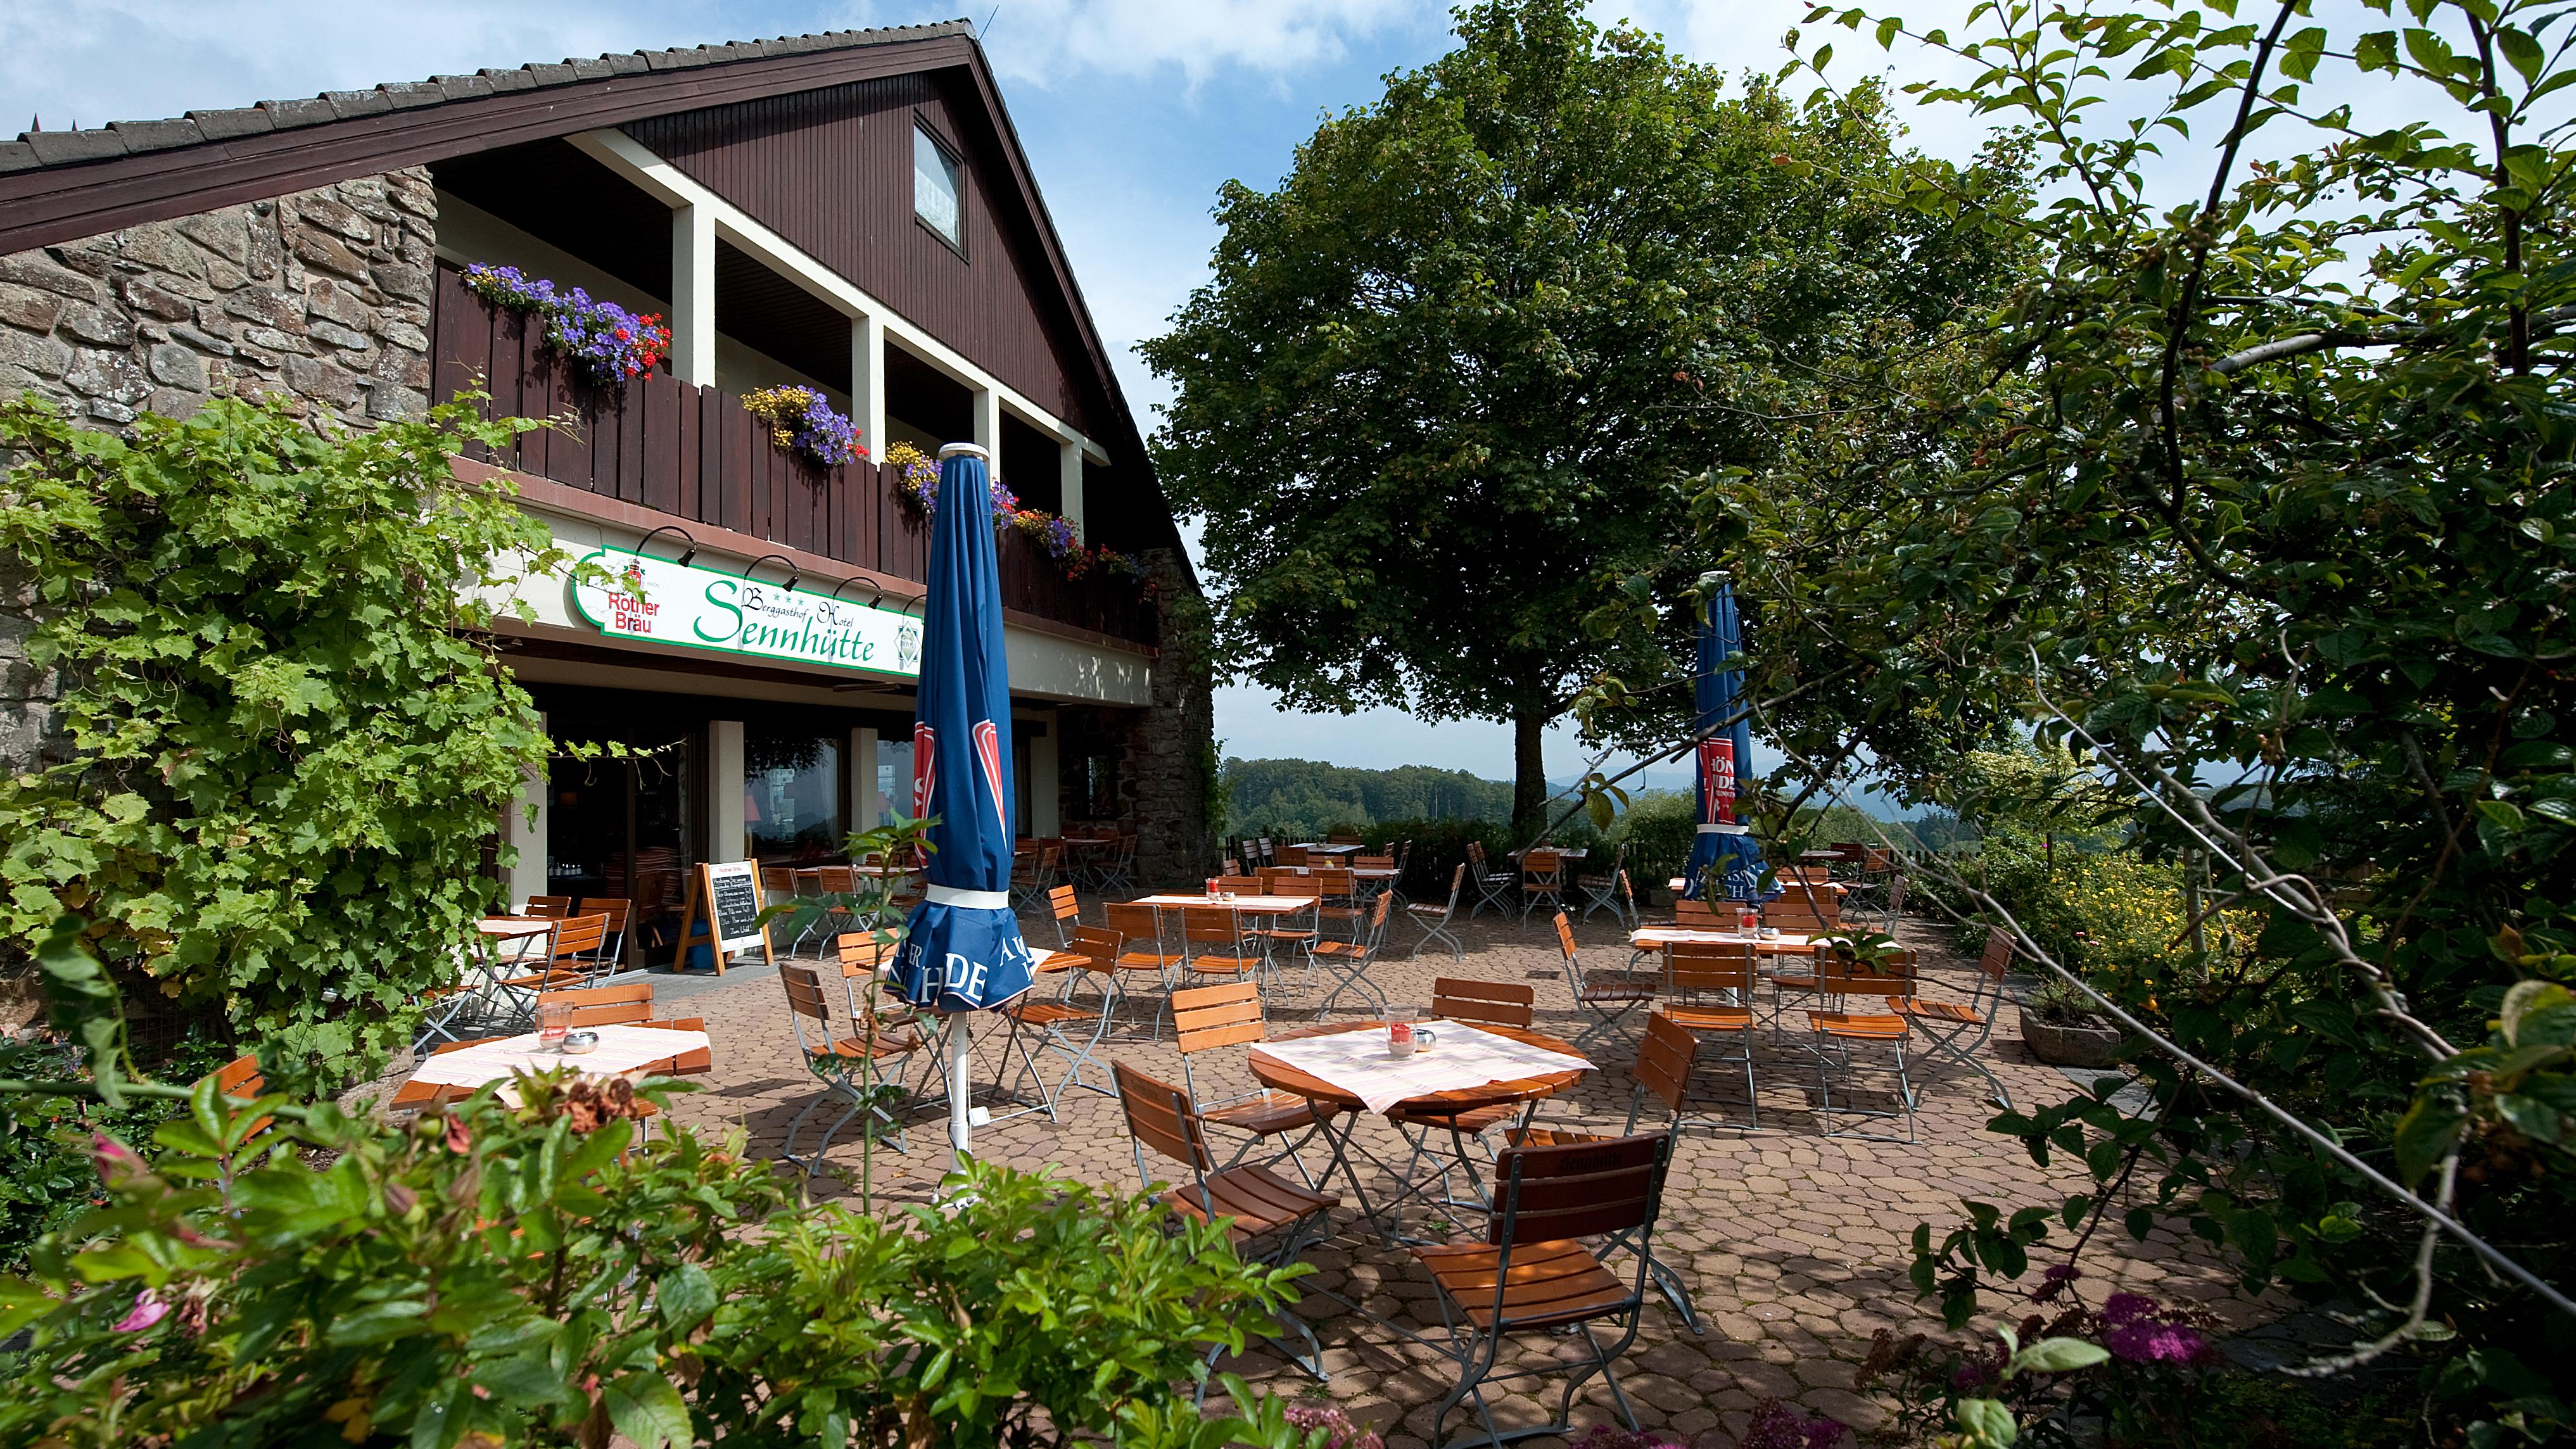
961 1089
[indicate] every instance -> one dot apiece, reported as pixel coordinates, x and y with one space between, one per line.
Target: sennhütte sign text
669 603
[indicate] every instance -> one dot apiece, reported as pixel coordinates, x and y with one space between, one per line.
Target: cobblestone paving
1795 1247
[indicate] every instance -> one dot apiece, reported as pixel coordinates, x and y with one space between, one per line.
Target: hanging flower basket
918 485
802 421
604 342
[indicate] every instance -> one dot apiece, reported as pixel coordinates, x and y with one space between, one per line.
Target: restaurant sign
671 603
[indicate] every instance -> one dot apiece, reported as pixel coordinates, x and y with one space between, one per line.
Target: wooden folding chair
1268 1218
617 912
1057 1026
851 1068
1215 943
242 1080
1066 910
548 908
1609 891
1714 983
1435 920
629 1004
1485 1003
1496 888
1836 1037
1349 962
1339 911
1140 948
1531 1276
1666 1061
1608 995
1542 880
1210 1018
1960 1032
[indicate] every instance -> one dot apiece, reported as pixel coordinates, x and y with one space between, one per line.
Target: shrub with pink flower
2133 1329
1339 1431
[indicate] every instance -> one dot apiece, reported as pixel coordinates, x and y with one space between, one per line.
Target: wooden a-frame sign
723 913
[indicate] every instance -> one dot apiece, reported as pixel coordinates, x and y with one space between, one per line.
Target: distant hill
1304 798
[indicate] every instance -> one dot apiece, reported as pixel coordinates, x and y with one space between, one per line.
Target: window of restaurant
792 798
1099 784
620 829
894 779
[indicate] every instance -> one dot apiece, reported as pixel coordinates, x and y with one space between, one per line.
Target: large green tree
2259 492
1441 400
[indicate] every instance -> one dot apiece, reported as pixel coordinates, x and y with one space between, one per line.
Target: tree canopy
1441 402
2258 497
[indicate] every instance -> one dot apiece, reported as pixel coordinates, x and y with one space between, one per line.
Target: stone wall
322 296
1162 754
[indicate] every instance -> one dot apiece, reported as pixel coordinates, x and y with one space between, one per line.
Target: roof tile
157 135
58 148
224 125
358 103
298 113
411 95
54 148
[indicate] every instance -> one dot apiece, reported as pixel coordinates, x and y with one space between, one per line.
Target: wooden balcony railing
693 453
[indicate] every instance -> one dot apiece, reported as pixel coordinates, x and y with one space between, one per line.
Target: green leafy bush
1657 827
291 738
1439 846
516 1272
46 1180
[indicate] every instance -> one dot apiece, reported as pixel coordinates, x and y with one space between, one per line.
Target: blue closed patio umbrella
1725 861
962 949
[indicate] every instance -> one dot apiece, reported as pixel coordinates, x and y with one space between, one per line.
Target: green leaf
1987 1423
2059 1355
684 1296
2425 1135
645 1408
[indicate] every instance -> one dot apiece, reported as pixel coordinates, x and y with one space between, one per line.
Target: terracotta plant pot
2070 1046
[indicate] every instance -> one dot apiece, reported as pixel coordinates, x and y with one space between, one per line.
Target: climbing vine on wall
290 743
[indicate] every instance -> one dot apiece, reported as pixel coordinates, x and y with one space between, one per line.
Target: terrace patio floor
1795 1247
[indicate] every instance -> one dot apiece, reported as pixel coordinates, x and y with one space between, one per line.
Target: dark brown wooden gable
831 171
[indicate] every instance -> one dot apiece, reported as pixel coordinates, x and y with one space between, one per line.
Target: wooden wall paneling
633 439
527 390
659 480
742 480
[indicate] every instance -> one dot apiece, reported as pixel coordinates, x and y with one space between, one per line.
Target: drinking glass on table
554 1019
1403 1037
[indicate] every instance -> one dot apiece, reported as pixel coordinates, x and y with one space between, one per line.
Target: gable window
935 189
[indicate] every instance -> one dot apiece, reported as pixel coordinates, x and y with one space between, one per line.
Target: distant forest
1303 798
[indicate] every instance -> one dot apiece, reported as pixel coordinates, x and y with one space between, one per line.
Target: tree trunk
1529 771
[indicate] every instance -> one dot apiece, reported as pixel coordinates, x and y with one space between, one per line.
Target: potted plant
2063 1030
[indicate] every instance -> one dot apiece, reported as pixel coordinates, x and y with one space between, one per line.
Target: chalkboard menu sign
724 903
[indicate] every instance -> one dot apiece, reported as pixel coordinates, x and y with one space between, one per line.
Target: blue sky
1133 111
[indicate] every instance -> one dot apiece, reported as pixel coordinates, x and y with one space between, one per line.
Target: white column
1041 811
693 295
523 828
1069 466
988 429
867 390
724 791
863 777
